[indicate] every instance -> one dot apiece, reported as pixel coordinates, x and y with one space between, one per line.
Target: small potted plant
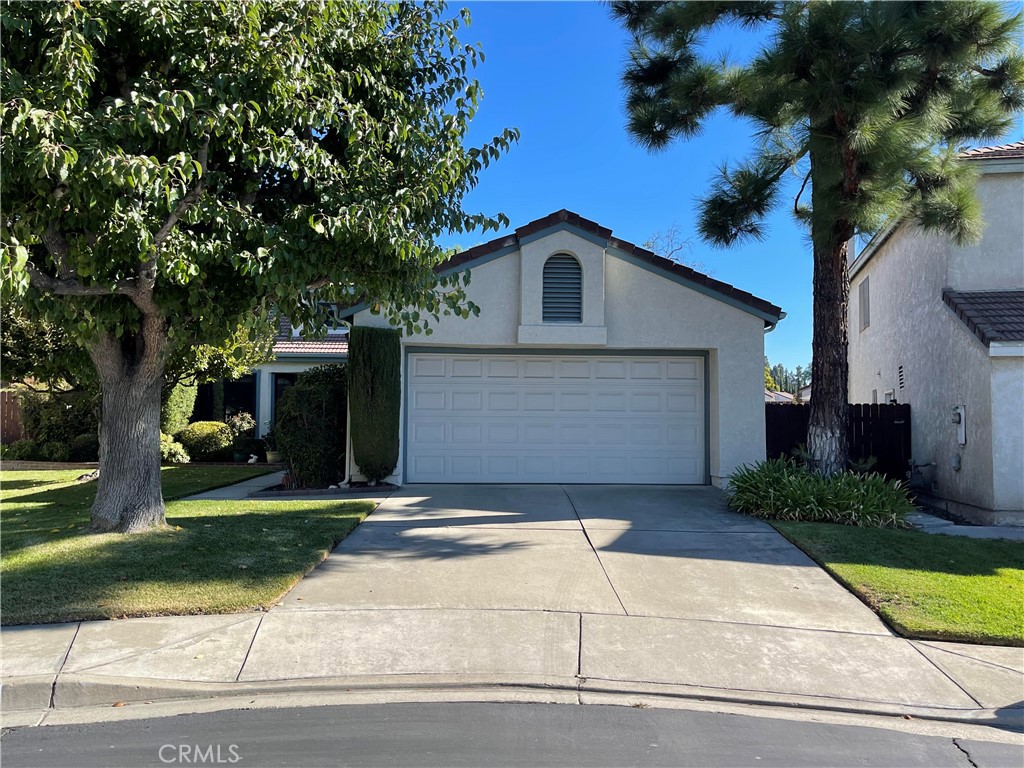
242 424
274 454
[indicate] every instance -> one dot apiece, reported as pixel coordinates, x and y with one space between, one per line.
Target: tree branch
796 200
69 286
188 200
57 246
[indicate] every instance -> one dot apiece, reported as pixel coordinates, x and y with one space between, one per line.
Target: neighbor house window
563 290
864 296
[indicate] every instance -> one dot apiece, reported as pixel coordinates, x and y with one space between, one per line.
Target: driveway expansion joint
586 535
945 674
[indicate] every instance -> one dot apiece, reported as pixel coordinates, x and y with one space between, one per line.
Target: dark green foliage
781 489
20 450
53 451
177 404
310 426
207 440
85 447
172 452
218 399
56 418
374 385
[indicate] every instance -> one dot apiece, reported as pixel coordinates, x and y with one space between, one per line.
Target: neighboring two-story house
941 327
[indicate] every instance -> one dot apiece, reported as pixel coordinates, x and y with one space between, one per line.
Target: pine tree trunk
128 493
827 429
833 186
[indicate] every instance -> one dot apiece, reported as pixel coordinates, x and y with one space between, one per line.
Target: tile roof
990 315
574 219
1001 152
285 342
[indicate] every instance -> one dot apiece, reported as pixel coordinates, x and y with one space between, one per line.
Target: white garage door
559 419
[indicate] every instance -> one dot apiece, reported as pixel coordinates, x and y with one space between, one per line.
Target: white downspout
348 445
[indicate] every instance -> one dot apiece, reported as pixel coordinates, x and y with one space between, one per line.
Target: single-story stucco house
941 327
592 361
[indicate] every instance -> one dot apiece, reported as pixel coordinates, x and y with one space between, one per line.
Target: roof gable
565 220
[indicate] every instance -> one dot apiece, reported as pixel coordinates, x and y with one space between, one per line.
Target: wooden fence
882 431
10 416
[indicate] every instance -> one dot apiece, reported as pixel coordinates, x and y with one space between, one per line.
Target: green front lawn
214 557
926 586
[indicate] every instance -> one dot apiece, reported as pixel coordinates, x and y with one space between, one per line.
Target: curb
77 691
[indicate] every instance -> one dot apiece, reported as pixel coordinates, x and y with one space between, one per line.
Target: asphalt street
488 735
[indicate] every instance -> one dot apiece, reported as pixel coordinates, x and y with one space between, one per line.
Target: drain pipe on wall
348 435
348 446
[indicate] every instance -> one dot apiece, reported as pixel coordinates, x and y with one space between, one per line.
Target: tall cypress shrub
177 403
375 391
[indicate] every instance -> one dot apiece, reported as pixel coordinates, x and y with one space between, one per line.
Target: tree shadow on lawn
208 564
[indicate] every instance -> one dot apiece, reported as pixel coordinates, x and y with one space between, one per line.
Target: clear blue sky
552 71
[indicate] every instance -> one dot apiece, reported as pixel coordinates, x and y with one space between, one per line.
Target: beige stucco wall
1008 432
997 262
944 363
639 310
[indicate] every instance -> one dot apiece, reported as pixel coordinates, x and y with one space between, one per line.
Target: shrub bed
206 440
781 489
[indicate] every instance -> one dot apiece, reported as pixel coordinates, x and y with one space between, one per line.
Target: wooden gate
10 416
882 431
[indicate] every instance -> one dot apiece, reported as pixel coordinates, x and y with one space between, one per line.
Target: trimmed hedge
176 406
781 489
206 440
310 426
375 392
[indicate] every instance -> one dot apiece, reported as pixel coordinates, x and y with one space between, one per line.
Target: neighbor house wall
997 261
265 384
943 364
1008 432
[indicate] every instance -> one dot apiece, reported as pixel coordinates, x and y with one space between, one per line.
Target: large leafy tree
173 170
867 101
41 354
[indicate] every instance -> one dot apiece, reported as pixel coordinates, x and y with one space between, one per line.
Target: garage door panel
467 367
524 419
684 369
428 433
498 368
503 401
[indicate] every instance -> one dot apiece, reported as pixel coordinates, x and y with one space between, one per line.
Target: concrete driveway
574 594
658 551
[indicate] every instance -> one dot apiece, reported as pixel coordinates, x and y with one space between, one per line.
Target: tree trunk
831 232
128 493
827 429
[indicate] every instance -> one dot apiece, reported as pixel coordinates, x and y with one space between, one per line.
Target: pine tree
867 101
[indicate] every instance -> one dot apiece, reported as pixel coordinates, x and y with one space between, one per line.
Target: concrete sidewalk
576 595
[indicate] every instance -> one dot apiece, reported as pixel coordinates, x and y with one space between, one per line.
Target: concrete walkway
927 523
582 594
